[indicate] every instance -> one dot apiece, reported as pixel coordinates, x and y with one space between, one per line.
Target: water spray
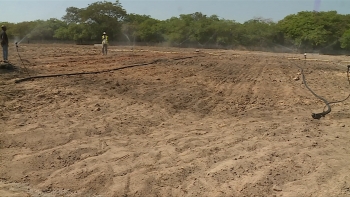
129 40
127 37
21 40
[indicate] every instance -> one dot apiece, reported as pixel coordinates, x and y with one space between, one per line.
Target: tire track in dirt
241 84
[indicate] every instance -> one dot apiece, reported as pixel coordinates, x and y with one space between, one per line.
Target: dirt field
222 123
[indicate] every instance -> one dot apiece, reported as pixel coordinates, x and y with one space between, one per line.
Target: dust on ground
221 123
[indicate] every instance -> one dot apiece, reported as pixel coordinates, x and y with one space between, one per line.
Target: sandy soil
223 123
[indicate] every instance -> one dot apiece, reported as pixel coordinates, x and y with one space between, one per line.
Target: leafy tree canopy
304 30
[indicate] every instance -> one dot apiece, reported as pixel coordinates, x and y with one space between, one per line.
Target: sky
16 11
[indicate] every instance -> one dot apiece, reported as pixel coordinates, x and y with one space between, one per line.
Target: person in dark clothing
4 43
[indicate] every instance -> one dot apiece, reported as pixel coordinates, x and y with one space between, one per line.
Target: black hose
316 115
329 109
97 72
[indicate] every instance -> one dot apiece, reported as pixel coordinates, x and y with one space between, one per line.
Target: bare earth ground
223 123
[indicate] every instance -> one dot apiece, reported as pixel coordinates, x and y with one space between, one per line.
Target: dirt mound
223 123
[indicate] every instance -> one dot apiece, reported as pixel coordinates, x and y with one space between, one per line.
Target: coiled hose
329 109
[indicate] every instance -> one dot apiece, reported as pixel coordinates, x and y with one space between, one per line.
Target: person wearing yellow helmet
104 43
4 43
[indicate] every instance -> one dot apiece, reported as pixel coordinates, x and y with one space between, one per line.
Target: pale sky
239 10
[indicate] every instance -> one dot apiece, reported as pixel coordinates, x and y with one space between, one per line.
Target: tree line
305 30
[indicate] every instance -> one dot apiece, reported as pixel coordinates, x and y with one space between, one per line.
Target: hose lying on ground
314 115
97 72
329 109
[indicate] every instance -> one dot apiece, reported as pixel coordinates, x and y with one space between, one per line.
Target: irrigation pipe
98 72
327 103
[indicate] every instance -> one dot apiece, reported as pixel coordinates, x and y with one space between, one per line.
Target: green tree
345 40
72 15
227 32
314 29
92 21
21 30
104 16
45 30
76 32
187 28
131 26
258 32
150 30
